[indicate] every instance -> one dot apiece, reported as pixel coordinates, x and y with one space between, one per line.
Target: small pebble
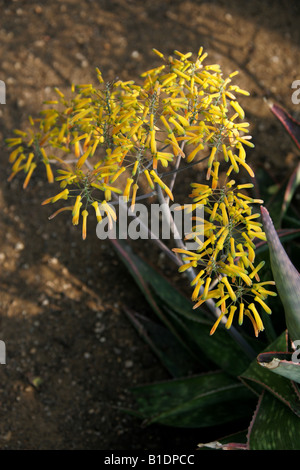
19 246
135 55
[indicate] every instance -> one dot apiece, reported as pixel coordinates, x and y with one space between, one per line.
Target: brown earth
72 355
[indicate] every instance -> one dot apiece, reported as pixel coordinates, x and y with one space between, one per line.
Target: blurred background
72 355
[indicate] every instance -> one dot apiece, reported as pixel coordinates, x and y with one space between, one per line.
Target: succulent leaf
286 277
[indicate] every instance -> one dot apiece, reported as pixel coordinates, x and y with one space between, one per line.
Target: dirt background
72 355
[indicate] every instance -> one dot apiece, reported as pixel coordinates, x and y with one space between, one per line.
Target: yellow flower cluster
122 128
104 139
226 253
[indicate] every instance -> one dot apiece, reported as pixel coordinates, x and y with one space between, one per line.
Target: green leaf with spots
274 426
260 378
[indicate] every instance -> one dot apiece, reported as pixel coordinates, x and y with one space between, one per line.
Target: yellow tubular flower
84 217
83 158
197 278
158 53
251 252
77 149
230 317
222 302
217 323
29 161
75 219
238 109
226 158
179 128
110 213
255 271
150 182
196 291
210 161
134 191
17 163
14 154
162 184
213 294
135 167
232 247
249 315
29 174
229 288
213 214
214 183
224 213
260 235
241 313
263 304
257 318
245 165
76 205
153 142
220 242
207 284
127 188
192 155
233 159
62 195
50 176
95 205
212 156
186 266
117 174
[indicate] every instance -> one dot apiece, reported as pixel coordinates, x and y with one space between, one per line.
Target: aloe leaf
281 363
274 426
286 277
220 348
291 125
204 400
165 346
260 378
